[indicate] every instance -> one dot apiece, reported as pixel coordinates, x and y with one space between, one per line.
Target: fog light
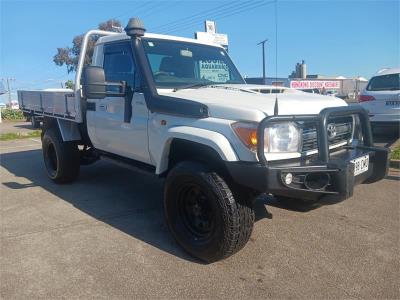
317 181
288 178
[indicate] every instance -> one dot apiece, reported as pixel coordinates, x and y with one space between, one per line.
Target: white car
381 97
13 104
271 89
332 93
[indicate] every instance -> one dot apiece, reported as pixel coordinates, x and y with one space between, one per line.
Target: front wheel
203 215
61 158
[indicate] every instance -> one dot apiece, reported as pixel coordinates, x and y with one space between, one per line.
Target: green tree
69 84
69 56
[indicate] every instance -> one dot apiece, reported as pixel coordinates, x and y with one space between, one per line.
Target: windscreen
390 82
176 64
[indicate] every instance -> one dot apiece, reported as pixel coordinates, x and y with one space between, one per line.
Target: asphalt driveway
104 237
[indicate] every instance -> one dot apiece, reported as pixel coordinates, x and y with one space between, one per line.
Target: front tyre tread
235 218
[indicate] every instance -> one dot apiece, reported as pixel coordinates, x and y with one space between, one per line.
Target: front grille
343 127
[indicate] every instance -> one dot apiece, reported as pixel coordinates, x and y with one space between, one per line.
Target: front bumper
335 166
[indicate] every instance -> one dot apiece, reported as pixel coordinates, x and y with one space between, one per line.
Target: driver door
127 138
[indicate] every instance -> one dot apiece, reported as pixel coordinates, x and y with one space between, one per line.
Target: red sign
315 84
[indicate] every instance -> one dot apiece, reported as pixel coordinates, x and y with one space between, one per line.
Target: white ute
178 108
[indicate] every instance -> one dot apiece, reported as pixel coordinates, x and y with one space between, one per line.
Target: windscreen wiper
192 86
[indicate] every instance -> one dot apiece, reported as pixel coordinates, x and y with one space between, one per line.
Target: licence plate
393 103
360 164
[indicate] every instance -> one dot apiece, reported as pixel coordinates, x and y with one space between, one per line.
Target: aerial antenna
276 108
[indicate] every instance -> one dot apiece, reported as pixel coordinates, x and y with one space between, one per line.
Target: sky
337 37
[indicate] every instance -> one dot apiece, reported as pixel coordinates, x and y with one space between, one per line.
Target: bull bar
336 167
321 122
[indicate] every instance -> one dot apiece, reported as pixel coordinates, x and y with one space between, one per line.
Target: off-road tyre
34 122
227 222
61 158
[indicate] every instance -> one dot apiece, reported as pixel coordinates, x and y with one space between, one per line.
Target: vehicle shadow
298 206
25 126
391 177
130 202
385 136
301 206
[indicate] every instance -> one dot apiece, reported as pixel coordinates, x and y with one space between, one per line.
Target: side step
128 163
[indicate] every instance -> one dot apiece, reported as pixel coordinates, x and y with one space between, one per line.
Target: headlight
282 137
247 133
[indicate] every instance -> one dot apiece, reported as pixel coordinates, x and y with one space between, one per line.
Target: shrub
12 114
396 153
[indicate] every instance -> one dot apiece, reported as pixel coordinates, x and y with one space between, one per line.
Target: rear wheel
34 122
203 215
61 158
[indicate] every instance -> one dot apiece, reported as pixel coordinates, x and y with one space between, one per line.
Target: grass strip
19 135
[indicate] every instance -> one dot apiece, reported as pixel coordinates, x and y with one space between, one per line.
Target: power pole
8 80
262 43
9 90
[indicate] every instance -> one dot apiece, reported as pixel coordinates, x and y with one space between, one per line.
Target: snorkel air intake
135 28
158 103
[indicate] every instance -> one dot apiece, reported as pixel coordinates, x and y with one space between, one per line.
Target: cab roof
387 71
123 36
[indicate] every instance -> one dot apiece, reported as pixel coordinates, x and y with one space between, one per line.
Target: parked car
13 104
179 109
381 98
311 91
332 93
271 89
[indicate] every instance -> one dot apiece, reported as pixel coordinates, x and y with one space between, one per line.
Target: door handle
102 107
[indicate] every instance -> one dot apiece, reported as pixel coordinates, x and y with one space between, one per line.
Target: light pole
262 43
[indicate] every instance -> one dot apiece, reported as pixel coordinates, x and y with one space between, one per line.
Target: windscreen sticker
214 70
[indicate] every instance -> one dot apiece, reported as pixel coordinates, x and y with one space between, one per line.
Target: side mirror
93 83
